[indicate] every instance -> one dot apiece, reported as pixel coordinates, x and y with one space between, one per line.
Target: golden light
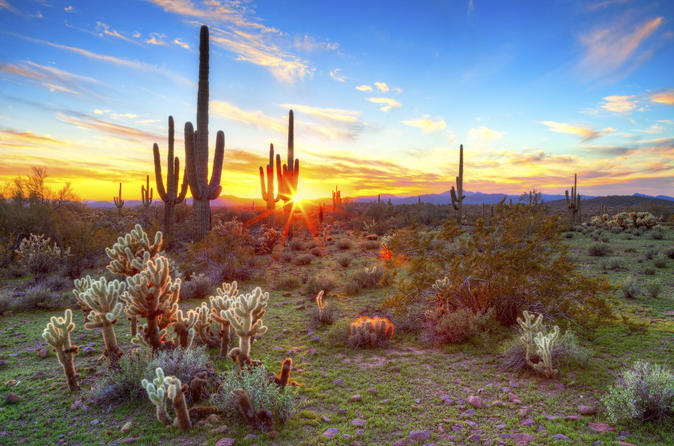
297 198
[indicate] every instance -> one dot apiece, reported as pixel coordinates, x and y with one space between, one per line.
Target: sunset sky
383 92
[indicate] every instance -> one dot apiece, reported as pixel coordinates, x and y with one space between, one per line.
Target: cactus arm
190 160
158 175
214 187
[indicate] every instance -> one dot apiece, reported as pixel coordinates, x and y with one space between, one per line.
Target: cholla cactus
372 332
221 302
544 345
183 327
102 299
37 256
204 326
57 334
322 306
129 255
529 328
175 390
152 295
245 316
156 391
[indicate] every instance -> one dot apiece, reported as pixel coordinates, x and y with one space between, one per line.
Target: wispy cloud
610 48
364 88
85 121
4 4
382 86
389 103
329 114
181 43
51 78
309 44
156 39
619 104
426 124
105 30
336 75
586 133
483 134
12 138
601 4
663 97
69 8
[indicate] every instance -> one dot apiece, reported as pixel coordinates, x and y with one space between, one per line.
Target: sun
297 198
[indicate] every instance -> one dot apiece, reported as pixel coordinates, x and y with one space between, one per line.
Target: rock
513 383
329 432
311 351
359 422
132 440
513 398
587 410
43 352
599 427
338 381
456 427
468 413
213 419
356 398
572 417
527 422
94 422
3 363
225 441
561 437
475 401
524 412
77 404
126 428
372 390
12 398
341 411
326 419
475 438
219 430
419 436
521 438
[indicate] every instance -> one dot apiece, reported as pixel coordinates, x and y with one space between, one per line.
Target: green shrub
316 251
660 261
599 250
325 317
653 288
39 257
303 259
650 253
363 278
263 394
183 363
40 295
565 351
460 325
669 252
644 392
122 383
658 233
344 260
198 287
297 245
630 288
371 245
286 282
649 270
338 334
613 264
323 280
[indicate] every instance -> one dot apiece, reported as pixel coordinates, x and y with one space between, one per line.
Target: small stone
330 432
3 363
341 411
599 427
315 338
587 410
523 439
513 398
456 427
338 381
359 422
356 398
419 436
311 351
475 401
43 352
527 422
219 430
395 369
132 440
514 383
372 390
572 417
94 422
213 419
77 404
505 389
475 438
468 413
225 441
524 412
126 428
12 398
561 437
326 419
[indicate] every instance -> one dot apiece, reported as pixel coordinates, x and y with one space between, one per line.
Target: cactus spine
146 193
457 195
196 151
288 175
169 195
118 200
573 201
57 334
268 191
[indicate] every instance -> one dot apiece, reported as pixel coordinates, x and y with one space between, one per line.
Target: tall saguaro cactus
146 193
196 151
336 198
457 195
573 201
118 200
288 175
268 190
169 195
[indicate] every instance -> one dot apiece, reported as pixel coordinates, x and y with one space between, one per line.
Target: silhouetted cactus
268 189
146 193
336 198
118 200
573 201
196 151
289 174
457 195
169 195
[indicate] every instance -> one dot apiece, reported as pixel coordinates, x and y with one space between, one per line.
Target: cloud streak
586 133
388 103
51 78
426 124
663 97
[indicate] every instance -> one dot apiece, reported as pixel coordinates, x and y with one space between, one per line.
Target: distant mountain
446 198
661 197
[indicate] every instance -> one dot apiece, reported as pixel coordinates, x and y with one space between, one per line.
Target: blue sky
383 92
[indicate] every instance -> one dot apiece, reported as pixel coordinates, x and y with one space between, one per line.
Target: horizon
382 98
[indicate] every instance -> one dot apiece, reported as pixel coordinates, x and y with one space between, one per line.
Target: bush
40 295
630 288
122 383
287 282
338 335
371 245
316 251
370 332
198 287
565 351
669 252
658 233
653 288
297 245
325 317
614 264
344 260
649 254
183 363
660 261
38 257
263 394
363 278
455 327
287 257
268 238
344 244
323 280
644 392
303 259
599 250
649 270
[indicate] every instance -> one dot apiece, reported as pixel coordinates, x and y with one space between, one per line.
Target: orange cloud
619 104
585 133
51 78
663 97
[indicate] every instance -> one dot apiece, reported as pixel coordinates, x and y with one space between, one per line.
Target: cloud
426 124
483 134
397 90
619 104
329 114
382 86
107 31
608 49
52 78
389 103
181 43
335 74
12 138
253 118
471 7
5 5
364 88
309 44
663 97
591 7
155 39
69 8
586 133
85 121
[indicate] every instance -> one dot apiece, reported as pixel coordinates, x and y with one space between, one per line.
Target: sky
383 92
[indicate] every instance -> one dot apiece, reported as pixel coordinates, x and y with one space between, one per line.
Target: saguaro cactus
118 200
196 151
102 298
457 195
573 201
288 175
336 198
169 195
245 316
57 334
146 193
156 391
268 189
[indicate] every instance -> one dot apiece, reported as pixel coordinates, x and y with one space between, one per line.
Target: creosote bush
323 280
458 326
599 250
179 362
630 288
303 259
363 278
344 260
653 288
344 244
643 392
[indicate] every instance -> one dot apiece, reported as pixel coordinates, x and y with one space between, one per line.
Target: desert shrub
669 252
323 280
198 287
287 257
568 235
338 335
316 251
183 363
370 332
566 351
650 253
653 288
455 327
658 233
615 264
599 250
605 238
660 261
267 239
311 244
303 259
344 260
371 244
344 244
637 232
363 278
323 313
649 271
122 383
630 288
263 394
516 262
297 245
39 295
644 392
286 282
38 256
